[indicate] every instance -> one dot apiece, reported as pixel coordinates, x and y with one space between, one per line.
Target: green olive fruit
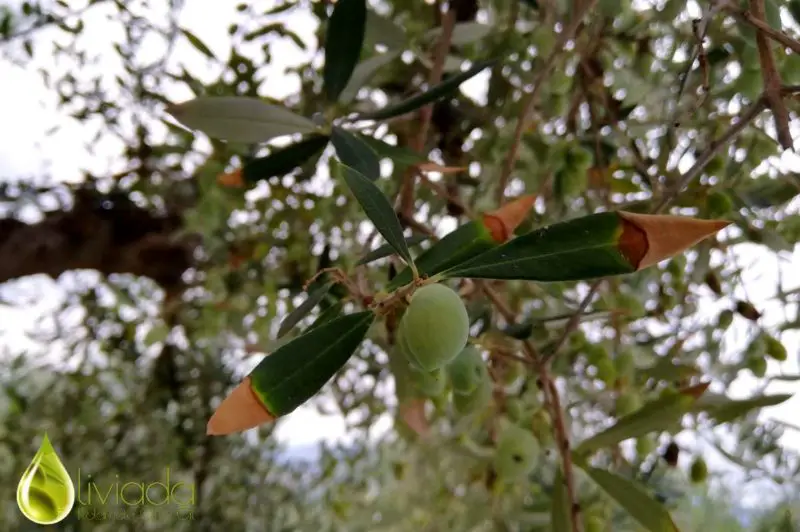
718 204
725 319
431 383
699 471
475 401
757 365
594 523
560 82
606 371
544 39
775 349
517 453
435 327
645 446
467 370
542 427
627 403
516 409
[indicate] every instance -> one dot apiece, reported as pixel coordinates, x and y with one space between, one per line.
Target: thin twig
697 168
772 79
426 112
574 320
530 101
763 27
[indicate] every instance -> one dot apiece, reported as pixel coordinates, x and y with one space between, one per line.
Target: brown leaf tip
504 221
647 239
240 411
231 179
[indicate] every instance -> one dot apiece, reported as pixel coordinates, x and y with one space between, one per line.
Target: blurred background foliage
125 372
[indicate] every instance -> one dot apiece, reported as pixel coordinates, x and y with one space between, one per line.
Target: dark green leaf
765 191
724 410
579 249
198 44
398 154
343 42
378 209
327 315
294 317
386 249
356 153
520 331
284 160
560 513
655 415
634 500
297 370
431 95
467 241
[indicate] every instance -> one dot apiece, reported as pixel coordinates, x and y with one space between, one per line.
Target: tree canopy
509 242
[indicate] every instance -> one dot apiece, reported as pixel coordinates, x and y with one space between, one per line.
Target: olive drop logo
45 493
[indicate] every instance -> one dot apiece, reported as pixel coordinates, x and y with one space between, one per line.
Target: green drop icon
45 493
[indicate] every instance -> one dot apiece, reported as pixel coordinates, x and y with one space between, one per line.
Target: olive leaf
561 508
431 95
239 119
386 249
199 45
284 160
356 153
343 42
377 207
634 500
302 310
463 33
363 73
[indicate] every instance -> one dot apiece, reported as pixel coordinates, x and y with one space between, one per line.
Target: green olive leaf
302 310
377 207
343 43
356 153
239 119
284 160
634 500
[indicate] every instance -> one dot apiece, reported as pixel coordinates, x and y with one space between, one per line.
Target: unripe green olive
435 327
517 453
544 39
431 383
757 365
467 370
628 403
699 471
475 401
570 181
594 523
515 409
775 349
718 204
725 319
560 82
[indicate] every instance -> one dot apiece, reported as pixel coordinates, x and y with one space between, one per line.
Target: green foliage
613 126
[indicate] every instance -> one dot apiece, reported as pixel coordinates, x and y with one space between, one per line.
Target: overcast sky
24 151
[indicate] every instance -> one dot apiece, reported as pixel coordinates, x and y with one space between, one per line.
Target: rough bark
109 234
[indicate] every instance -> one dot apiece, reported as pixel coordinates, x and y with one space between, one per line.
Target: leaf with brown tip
504 221
647 239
